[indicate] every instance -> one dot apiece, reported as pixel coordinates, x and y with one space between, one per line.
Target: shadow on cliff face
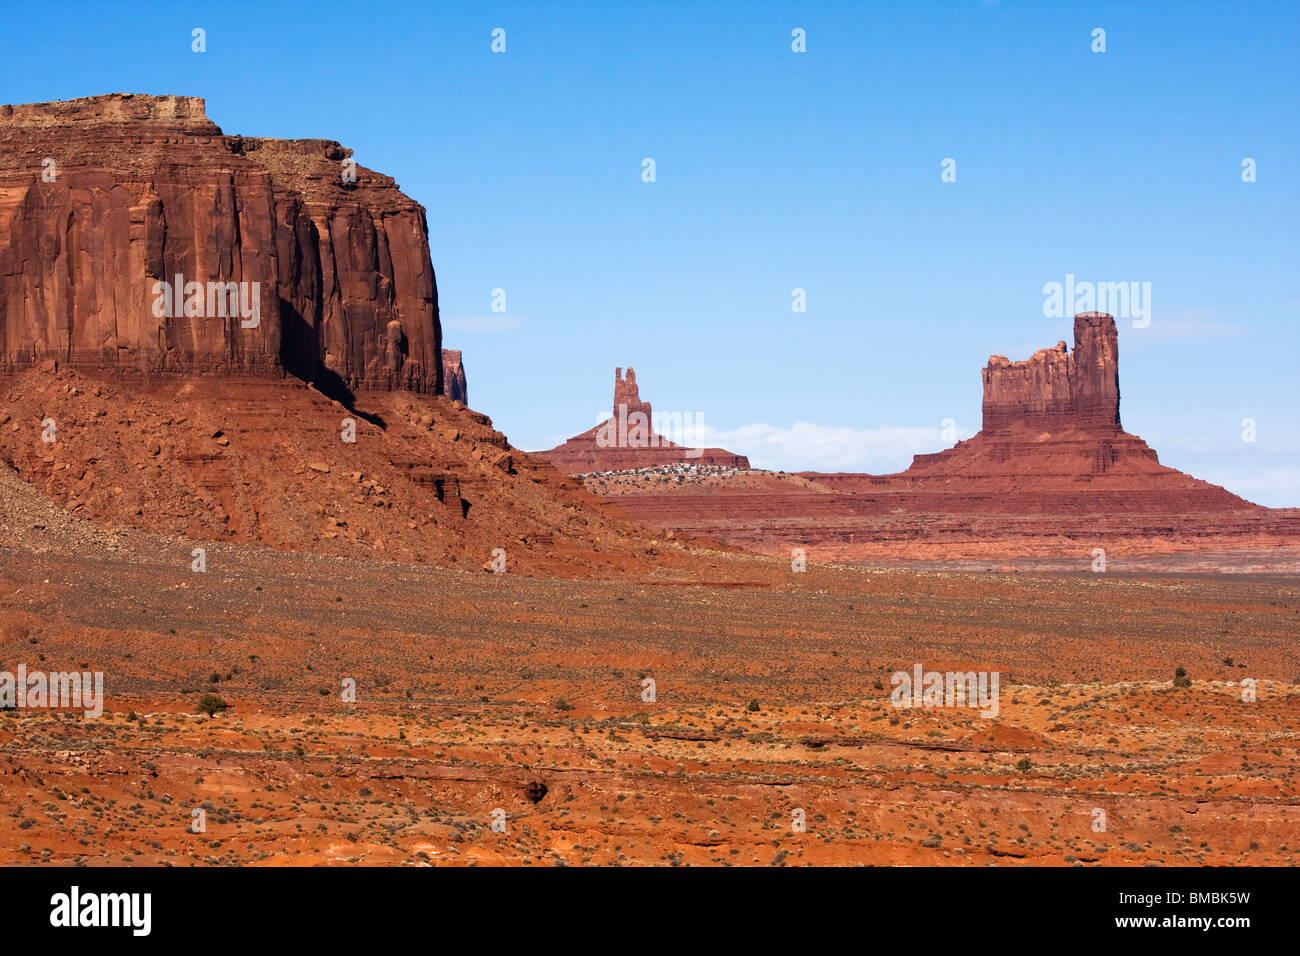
300 355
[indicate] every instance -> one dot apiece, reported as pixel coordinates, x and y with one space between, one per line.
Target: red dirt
257 461
473 688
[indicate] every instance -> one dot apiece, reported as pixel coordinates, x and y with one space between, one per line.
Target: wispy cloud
808 447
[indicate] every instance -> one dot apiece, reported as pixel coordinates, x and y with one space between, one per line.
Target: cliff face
1056 388
106 201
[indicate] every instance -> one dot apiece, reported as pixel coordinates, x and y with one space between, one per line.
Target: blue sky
778 170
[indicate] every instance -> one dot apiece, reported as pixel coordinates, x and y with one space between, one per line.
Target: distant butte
627 440
1051 473
1055 388
1052 443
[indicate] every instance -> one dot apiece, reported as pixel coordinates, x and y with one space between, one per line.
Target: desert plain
518 701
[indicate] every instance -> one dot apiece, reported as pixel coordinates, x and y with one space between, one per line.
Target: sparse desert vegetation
478 693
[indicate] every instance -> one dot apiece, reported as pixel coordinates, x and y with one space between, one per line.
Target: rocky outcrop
1052 474
259 461
139 240
627 440
627 395
1052 444
1056 388
454 385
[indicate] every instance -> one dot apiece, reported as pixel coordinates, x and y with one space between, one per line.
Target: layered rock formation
454 385
627 395
1052 442
627 439
112 206
1056 388
165 292
1051 473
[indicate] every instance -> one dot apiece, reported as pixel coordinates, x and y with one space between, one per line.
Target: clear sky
777 170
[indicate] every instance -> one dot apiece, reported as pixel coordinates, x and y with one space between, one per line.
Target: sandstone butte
102 197
198 423
627 440
1051 473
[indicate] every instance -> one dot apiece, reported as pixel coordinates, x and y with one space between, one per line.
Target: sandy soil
478 692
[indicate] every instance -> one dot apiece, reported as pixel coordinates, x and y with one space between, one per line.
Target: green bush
211 705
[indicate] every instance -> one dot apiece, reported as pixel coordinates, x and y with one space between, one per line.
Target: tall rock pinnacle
627 395
627 439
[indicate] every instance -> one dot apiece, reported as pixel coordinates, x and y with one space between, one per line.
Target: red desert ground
417 644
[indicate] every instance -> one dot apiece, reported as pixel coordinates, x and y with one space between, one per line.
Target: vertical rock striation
1055 388
107 200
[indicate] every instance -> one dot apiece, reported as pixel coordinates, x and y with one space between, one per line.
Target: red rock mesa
1052 443
627 440
102 197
